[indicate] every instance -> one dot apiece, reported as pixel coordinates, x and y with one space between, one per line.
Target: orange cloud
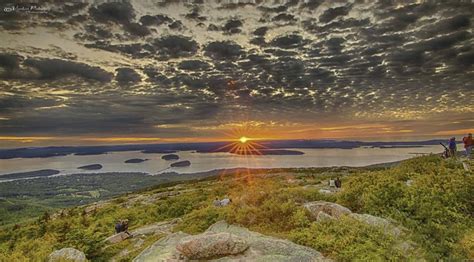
454 132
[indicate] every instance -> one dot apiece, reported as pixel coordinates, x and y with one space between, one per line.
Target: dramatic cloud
285 18
127 75
261 31
9 61
175 68
193 65
118 12
223 50
155 20
53 68
288 41
232 26
49 69
175 46
332 13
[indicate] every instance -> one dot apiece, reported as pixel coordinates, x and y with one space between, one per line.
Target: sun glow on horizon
243 139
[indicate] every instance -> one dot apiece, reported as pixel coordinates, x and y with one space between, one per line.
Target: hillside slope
429 199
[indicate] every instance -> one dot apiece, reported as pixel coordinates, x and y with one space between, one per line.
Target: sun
242 141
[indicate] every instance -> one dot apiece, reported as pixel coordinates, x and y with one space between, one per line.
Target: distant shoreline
45 152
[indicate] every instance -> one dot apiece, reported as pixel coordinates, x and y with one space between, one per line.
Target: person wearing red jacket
468 143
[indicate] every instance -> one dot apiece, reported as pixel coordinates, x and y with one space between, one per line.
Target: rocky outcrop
223 242
163 249
119 237
67 255
323 211
332 209
207 246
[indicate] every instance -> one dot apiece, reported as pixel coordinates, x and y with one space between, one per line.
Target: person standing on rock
452 147
338 183
468 144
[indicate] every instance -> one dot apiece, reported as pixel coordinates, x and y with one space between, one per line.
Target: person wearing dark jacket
452 147
122 226
118 227
338 183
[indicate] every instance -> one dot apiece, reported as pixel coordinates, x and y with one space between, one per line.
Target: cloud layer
177 68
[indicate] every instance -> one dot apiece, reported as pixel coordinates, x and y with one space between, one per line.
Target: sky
101 72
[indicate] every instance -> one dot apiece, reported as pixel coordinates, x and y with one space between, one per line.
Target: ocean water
114 162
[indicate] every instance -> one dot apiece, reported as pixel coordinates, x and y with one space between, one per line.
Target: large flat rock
206 246
260 247
116 238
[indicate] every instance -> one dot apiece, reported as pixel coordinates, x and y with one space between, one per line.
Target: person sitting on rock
122 226
119 227
125 226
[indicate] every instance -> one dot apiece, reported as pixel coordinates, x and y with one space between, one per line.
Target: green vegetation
435 207
31 197
349 240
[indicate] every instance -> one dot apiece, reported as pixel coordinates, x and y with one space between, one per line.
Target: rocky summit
224 242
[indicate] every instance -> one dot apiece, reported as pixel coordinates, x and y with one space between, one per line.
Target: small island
157 151
135 161
181 164
91 167
170 157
